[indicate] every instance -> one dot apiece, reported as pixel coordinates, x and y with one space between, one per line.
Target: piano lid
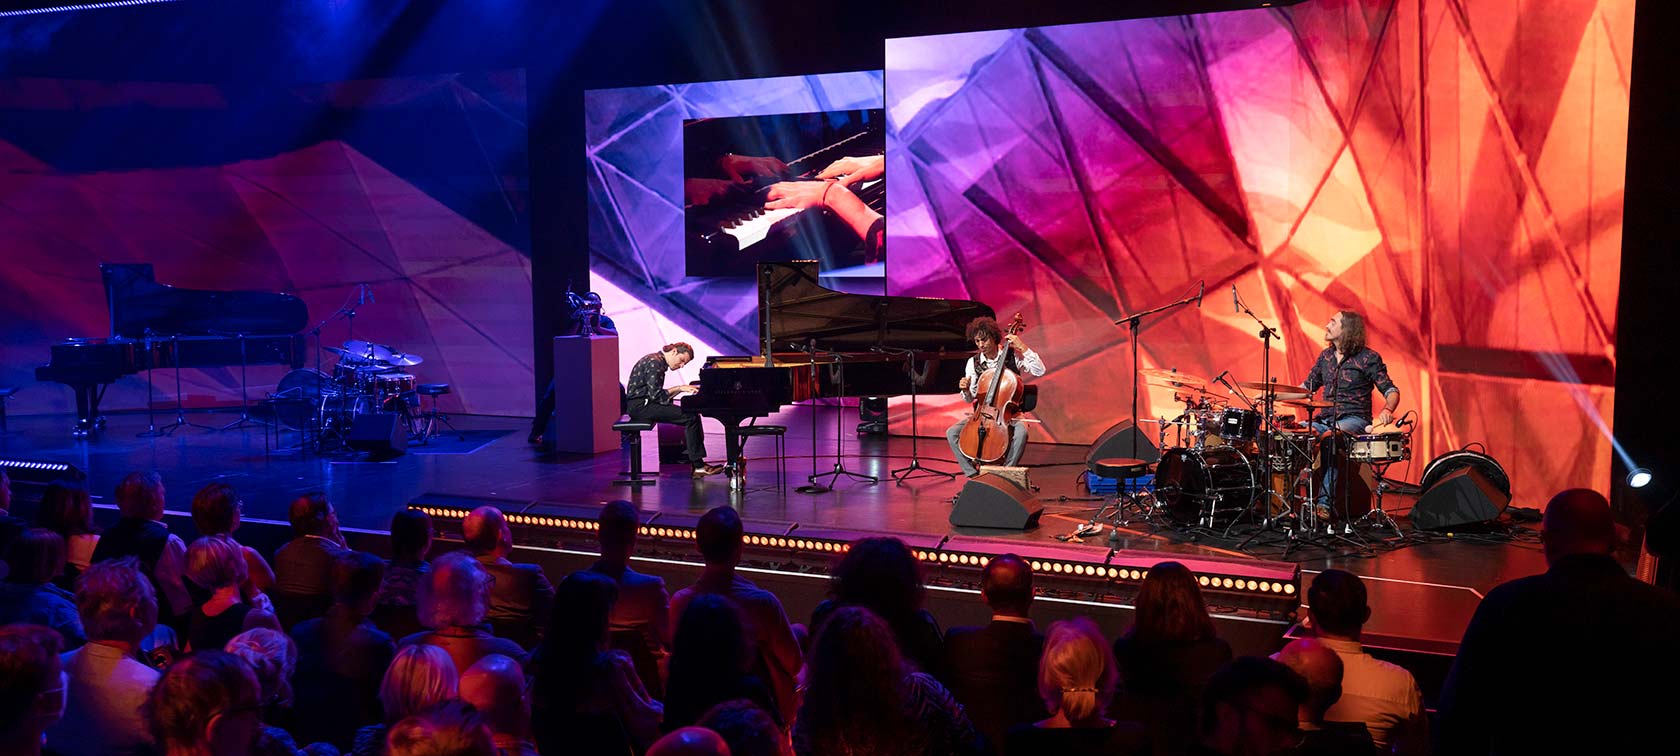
793 310
139 304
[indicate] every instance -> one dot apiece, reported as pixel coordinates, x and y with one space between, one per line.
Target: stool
6 393
1123 469
430 418
632 431
1118 468
779 433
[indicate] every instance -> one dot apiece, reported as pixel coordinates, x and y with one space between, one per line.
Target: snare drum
393 383
1378 448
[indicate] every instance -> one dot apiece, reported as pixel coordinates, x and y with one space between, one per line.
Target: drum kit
367 378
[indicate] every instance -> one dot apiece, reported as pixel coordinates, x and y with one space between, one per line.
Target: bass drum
297 398
1202 486
1450 462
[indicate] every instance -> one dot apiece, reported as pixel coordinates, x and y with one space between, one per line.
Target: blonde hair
273 656
1077 673
420 676
216 562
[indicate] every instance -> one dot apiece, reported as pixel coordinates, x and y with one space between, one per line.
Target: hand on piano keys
738 167
852 170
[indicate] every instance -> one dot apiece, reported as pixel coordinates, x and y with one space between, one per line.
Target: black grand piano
155 325
862 341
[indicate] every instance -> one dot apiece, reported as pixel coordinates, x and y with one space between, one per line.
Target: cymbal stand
151 416
244 393
181 420
839 369
915 469
1134 322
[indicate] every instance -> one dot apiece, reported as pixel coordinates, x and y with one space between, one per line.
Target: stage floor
1422 592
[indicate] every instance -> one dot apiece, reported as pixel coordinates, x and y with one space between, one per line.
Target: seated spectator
720 537
451 728
711 663
883 576
342 656
520 594
67 510
1378 694
586 698
108 681
28 595
216 509
453 603
1250 707
207 703
32 687
1583 639
419 678
10 527
396 609
691 741
1076 680
993 670
1167 657
141 534
747 728
1322 670
303 566
640 625
217 565
863 698
273 657
496 687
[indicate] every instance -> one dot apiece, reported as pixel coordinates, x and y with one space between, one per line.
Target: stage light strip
85 6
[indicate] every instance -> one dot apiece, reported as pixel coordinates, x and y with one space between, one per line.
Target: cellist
1019 358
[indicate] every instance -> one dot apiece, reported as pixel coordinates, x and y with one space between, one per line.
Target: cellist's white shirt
1029 363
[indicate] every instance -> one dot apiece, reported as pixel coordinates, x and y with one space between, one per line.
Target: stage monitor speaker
381 434
1460 498
1117 442
992 501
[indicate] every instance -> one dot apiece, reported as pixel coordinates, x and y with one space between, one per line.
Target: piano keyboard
755 224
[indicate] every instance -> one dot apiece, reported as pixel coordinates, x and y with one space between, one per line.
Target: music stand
151 419
244 392
839 422
915 469
181 420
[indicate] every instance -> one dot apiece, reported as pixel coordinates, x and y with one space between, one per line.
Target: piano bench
632 432
778 432
6 393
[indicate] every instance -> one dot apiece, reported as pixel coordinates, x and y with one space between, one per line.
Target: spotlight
1639 478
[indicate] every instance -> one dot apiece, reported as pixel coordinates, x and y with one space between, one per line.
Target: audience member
1167 657
453 603
587 698
720 537
273 657
691 741
1565 661
640 623
108 681
206 704
396 610
420 676
1322 669
141 534
66 509
28 594
10 527
993 670
520 594
217 565
451 728
342 656
883 576
1251 708
1381 695
711 663
32 687
880 707
216 510
1076 681
496 687
303 566
747 728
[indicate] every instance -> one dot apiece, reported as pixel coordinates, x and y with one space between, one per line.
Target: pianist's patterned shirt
1348 385
647 382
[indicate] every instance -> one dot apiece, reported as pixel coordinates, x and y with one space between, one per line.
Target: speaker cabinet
381 434
1117 442
991 501
1462 497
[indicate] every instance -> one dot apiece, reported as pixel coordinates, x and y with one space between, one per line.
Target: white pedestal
585 394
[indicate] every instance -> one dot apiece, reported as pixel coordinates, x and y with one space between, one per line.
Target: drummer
1348 370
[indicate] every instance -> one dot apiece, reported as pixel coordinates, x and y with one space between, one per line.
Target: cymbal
1172 377
404 359
1306 403
367 350
1277 390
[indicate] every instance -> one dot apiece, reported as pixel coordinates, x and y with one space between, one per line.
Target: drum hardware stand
151 418
244 393
915 469
1133 322
839 370
181 420
1377 517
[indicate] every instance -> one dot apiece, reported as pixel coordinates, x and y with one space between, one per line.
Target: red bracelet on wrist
825 192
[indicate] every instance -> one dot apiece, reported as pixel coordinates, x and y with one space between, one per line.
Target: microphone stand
1134 321
811 486
915 469
151 415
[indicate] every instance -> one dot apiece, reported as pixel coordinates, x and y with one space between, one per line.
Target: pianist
649 401
1019 358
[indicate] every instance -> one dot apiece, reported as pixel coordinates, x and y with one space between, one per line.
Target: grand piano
156 325
863 345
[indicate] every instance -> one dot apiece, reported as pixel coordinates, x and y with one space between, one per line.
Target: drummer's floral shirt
1348 385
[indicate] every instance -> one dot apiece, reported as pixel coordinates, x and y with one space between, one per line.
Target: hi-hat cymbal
1172 377
1277 390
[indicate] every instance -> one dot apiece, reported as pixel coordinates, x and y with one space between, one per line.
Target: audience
747 728
711 663
777 659
66 509
496 687
273 657
1322 669
1381 695
10 527
108 681
520 594
586 698
1076 681
993 670
206 704
396 609
453 603
216 509
217 565
1167 657
141 534
342 656
883 576
28 594
451 728
640 623
1251 708
691 741
883 706
1565 661
420 676
303 566
32 687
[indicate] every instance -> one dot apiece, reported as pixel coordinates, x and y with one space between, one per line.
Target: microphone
1235 308
369 291
1200 290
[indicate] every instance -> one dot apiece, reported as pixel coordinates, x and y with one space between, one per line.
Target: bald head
1577 521
1007 584
485 531
495 685
690 741
1319 665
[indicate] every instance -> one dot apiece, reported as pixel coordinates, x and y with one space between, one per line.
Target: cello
985 437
